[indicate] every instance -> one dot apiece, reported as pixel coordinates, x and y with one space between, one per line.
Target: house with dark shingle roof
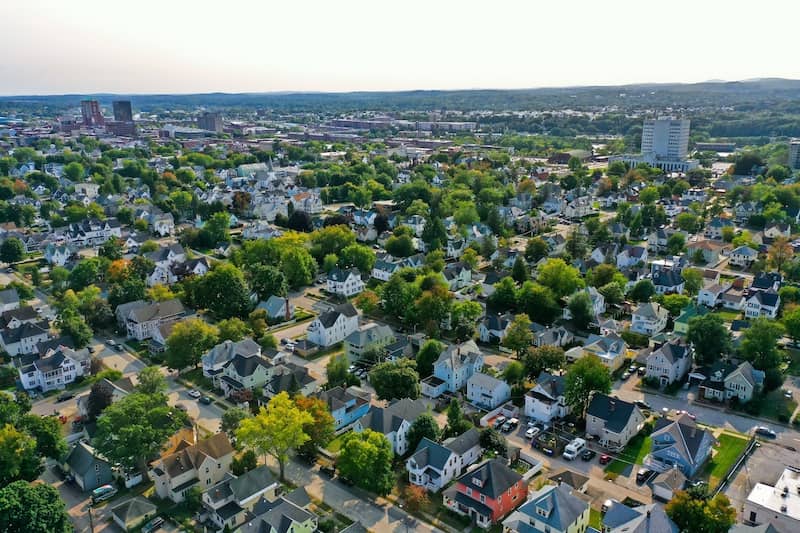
649 518
25 338
217 357
668 282
679 444
345 282
244 373
670 362
763 304
725 381
487 494
89 469
134 512
613 421
546 401
553 508
284 515
9 300
141 319
229 501
54 371
434 465
346 405
333 325
393 421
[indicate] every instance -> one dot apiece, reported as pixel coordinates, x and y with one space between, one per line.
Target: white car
194 393
531 433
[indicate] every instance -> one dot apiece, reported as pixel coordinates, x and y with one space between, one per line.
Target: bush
635 340
772 379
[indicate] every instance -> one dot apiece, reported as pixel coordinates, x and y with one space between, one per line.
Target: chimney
612 405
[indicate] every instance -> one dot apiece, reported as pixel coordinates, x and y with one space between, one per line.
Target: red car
605 459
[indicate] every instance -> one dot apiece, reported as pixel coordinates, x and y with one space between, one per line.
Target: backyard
634 453
728 450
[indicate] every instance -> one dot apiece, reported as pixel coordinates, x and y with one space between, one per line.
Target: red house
488 493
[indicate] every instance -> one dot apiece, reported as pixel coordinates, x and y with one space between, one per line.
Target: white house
668 282
669 363
345 282
778 504
492 328
613 421
609 348
59 255
54 371
487 392
649 319
333 325
631 256
9 300
743 256
393 421
545 401
456 364
434 465
763 304
24 338
141 319
711 294
216 358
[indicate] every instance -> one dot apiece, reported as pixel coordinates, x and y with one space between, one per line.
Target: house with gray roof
88 468
487 494
228 502
333 325
284 515
649 319
393 421
434 465
134 512
9 300
140 319
487 392
53 371
613 421
552 508
451 371
346 405
725 381
546 400
277 308
370 336
345 282
217 357
679 444
670 362
24 338
649 518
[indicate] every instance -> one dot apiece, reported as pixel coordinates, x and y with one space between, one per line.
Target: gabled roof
651 310
430 453
134 509
554 505
388 419
329 318
614 411
82 458
492 478
684 436
464 442
227 350
644 519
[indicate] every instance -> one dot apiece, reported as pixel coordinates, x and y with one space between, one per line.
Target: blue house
346 405
679 443
452 370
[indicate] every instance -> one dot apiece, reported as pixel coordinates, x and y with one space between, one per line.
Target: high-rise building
794 154
666 138
210 122
123 111
90 111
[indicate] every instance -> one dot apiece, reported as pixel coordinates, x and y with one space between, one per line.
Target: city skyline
307 46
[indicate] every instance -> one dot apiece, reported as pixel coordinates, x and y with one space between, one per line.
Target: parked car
509 425
641 404
111 342
588 455
605 459
642 371
625 375
499 421
328 470
643 475
64 396
787 393
205 400
764 431
632 368
532 432
284 340
153 525
103 493
194 393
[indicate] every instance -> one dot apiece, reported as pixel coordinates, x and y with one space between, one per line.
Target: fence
732 471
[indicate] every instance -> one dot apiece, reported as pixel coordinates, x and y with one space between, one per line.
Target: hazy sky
180 46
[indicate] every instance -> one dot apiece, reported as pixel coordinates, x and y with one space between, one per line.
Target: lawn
778 407
793 368
336 444
727 452
635 452
596 519
728 315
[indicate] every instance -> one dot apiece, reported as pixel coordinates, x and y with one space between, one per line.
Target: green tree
74 171
519 335
331 240
321 430
791 322
463 318
358 256
267 281
233 329
338 372
217 228
643 291
111 249
32 508
693 513
366 460
299 267
693 280
151 381
244 463
46 430
395 379
675 303
470 258
18 457
536 249
520 270
538 302
492 441
676 243
231 419
12 250
586 376
504 296
100 396
330 263
541 358
133 429
514 373
580 307
423 427
224 292
760 343
612 293
559 277
188 341
427 355
71 323
275 430
434 234
402 246
457 423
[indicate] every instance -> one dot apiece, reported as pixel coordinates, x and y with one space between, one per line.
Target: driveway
78 507
207 417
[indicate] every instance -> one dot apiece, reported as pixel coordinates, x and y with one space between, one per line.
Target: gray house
89 468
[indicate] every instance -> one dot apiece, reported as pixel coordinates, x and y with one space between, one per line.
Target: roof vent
783 508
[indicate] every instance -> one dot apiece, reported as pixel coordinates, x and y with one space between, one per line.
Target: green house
681 324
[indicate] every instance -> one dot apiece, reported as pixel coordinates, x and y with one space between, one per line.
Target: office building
123 111
210 122
91 113
794 154
665 144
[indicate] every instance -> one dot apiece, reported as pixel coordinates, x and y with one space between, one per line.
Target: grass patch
728 315
635 452
336 444
728 451
793 362
778 407
596 519
196 377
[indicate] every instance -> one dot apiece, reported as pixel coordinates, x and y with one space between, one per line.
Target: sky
190 46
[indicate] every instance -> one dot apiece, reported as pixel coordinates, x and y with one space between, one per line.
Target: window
483 498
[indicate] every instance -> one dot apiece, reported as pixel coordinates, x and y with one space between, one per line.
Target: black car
641 404
588 455
643 475
64 396
205 400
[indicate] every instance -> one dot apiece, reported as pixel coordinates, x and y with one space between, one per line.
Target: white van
574 449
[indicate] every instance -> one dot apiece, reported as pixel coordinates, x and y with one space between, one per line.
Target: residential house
133 513
457 275
229 502
23 338
487 392
743 256
715 227
245 373
649 319
346 405
554 335
92 232
764 281
164 259
370 336
649 518
679 444
775 230
290 378
307 201
434 465
668 282
487 494
609 348
277 308
777 504
546 401
191 267
141 319
9 300
192 465
669 363
725 381
493 327
553 508
763 304
711 294
630 256
709 250
613 421
333 325
54 371
161 224
59 254
681 324
217 357
345 282
667 483
87 467
393 421
284 515
453 368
